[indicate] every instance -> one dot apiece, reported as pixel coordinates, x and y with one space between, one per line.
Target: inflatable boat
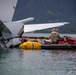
69 43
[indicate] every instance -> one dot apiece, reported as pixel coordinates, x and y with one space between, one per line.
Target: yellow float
30 45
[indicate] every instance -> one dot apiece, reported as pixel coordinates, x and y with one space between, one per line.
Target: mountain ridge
48 11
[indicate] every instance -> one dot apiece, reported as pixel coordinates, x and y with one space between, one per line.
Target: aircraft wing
7 9
34 27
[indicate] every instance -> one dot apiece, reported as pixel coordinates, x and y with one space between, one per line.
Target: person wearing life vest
24 39
65 39
30 45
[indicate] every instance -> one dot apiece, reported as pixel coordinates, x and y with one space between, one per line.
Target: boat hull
59 47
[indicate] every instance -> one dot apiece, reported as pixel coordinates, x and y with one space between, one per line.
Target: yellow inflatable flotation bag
26 45
37 45
30 45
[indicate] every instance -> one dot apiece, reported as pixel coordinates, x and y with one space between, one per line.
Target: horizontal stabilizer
25 20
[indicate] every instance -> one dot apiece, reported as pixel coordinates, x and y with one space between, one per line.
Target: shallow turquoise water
37 62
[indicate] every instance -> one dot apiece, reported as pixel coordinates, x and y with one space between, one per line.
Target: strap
32 45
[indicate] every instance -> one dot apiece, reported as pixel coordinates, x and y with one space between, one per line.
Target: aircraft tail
4 30
7 9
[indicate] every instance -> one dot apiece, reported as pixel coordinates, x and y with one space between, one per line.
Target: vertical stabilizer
7 8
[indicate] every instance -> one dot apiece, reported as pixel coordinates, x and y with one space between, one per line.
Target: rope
71 47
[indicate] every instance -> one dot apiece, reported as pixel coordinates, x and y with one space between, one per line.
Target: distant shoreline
45 35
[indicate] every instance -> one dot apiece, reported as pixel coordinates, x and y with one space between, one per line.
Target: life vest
30 45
